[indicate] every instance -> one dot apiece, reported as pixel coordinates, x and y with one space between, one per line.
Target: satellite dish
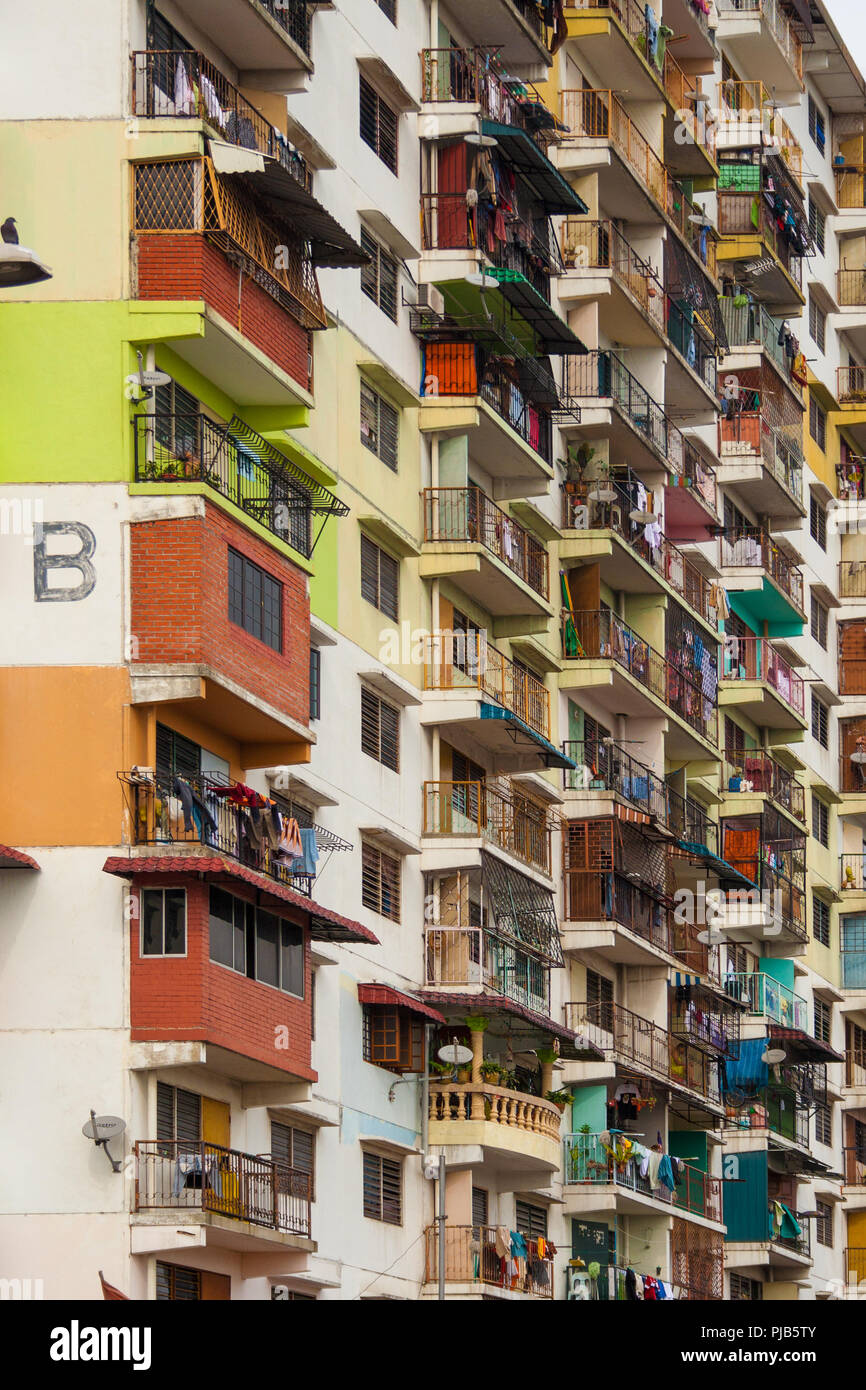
103 1127
484 141
456 1055
601 494
711 936
643 518
858 757
482 281
773 1055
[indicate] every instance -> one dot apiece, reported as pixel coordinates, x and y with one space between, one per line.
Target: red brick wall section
185 266
180 606
191 999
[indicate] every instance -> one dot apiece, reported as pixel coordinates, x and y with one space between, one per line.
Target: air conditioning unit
431 298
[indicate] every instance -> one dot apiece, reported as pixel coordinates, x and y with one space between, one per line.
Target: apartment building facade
441 623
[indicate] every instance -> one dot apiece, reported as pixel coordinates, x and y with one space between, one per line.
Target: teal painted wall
745 1196
689 1145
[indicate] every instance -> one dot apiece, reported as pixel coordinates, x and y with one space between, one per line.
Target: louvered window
378 125
824 1223
817 128
383 1195
821 921
163 921
820 721
817 326
380 578
296 1148
599 998
823 1124
176 755
823 1021
255 601
380 882
380 730
531 1221
820 821
315 683
817 513
178 1114
379 276
389 8
177 1284
393 1038
380 426
819 622
817 224
735 738
480 1206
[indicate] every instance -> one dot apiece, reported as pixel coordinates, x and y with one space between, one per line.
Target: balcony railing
470 76
469 958
641 1043
605 766
471 1257
236 462
851 385
852 867
854 1167
461 1104
753 659
174 810
766 777
852 579
750 104
168 83
593 1159
179 1175
705 1018
767 997
599 115
749 432
749 324
450 665
449 223
186 196
601 375
694 471
467 514
773 16
608 896
774 1111
850 185
689 220
513 821
294 17
737 213
855 1066
749 547
451 369
592 635
582 512
851 287
800 1245
682 92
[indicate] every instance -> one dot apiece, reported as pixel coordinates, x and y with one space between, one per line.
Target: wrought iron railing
644 1045
750 104
777 21
468 514
460 661
168 83
754 659
609 896
705 1017
854 1167
606 766
449 222
472 76
745 769
748 324
851 287
852 867
855 1063
767 997
472 1257
470 958
181 1175
451 369
850 185
601 375
750 547
770 1109
750 432
511 820
597 1159
747 214
851 383
593 634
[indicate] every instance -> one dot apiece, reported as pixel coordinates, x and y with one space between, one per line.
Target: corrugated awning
330 244
324 924
384 994
550 756
15 859
719 866
532 164
802 1047
474 1004
553 333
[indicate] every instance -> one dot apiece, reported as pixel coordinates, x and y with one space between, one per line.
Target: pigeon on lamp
8 231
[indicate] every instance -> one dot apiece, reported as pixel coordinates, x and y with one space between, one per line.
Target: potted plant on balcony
560 1099
508 1079
439 1071
490 1071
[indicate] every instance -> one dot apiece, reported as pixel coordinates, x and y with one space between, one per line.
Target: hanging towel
306 864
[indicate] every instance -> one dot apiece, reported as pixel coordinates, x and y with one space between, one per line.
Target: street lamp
20 266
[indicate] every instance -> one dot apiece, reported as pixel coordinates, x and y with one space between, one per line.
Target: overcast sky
849 16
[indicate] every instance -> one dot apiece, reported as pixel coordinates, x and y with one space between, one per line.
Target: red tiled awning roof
500 1004
325 925
15 859
803 1047
384 994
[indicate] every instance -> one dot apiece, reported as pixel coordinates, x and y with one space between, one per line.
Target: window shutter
164 1112
480 1206
373 1186
530 1220
389 572
188 1117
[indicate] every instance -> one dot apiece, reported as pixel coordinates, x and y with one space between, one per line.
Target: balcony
215 1186
470 77
494 559
855 1066
746 238
851 386
852 867
449 225
764 463
705 1018
850 184
694 156
750 327
172 85
193 452
583 514
755 773
852 579
767 585
512 821
601 637
851 289
761 684
588 1160
511 1127
750 117
770 1111
854 1167
608 767
268 41
450 667
769 999
473 1268
641 1045
464 960
612 37
760 37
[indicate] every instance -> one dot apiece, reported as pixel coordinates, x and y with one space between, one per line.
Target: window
383 1196
256 943
393 1038
380 882
380 577
177 413
177 1284
744 1289
821 921
817 128
531 1221
378 125
379 276
824 1223
599 998
380 730
817 515
818 431
480 1206
176 755
817 326
823 1124
817 224
255 601
296 1148
820 821
819 622
823 1021
380 426
163 921
178 1115
315 683
820 721
389 8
